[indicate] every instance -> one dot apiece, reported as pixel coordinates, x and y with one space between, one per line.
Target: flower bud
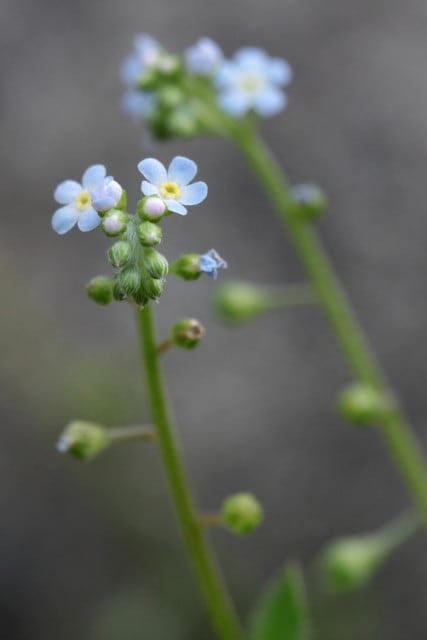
187 266
118 292
151 208
130 281
187 333
156 264
349 563
100 289
122 203
114 222
149 234
183 122
170 97
120 253
238 302
309 201
153 288
83 440
361 404
241 513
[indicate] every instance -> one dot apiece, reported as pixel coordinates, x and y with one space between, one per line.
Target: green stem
210 580
395 429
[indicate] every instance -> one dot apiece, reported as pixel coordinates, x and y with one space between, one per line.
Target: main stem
395 429
215 593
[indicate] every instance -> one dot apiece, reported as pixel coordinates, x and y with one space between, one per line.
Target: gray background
92 551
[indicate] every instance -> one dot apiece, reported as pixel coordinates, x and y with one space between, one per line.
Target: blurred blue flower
204 57
137 103
172 185
210 262
97 192
146 54
252 81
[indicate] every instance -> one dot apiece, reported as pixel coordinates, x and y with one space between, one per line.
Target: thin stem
395 429
164 346
216 597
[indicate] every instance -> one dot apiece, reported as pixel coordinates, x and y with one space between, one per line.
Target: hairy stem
216 597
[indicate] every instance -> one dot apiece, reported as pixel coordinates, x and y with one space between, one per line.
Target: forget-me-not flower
172 185
146 55
97 192
204 57
210 262
252 81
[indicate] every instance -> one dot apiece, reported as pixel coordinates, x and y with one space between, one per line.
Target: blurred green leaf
282 613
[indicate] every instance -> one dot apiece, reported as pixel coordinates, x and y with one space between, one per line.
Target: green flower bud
361 404
140 297
156 264
83 440
153 288
170 97
187 333
309 201
122 203
183 123
114 222
100 289
241 513
130 281
120 253
149 234
187 266
118 292
238 302
151 208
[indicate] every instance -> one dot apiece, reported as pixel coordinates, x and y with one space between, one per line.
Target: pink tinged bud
113 224
154 208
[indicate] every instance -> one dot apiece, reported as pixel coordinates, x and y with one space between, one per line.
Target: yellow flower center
251 83
83 200
170 190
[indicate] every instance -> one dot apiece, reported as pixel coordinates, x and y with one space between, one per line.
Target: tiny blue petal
94 176
203 57
210 262
269 102
175 206
182 170
67 191
149 189
88 220
64 219
194 193
153 170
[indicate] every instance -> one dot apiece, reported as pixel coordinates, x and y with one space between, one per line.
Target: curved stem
395 429
209 577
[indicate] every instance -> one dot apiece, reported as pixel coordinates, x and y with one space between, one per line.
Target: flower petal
104 203
93 176
67 191
234 102
182 170
153 170
64 219
88 220
279 71
194 193
250 57
149 189
175 207
269 102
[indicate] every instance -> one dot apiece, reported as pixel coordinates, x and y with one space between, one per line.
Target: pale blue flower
97 192
146 55
210 262
204 57
172 185
138 103
252 81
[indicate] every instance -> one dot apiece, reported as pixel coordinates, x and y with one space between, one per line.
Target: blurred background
92 550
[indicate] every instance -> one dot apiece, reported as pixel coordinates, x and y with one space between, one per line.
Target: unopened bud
83 440
100 289
309 201
241 513
114 222
156 264
151 208
238 302
149 234
120 253
130 281
187 333
362 404
187 266
153 288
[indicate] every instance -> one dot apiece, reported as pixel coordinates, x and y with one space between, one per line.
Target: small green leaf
281 613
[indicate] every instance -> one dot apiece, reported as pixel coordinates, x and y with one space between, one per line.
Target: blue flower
97 192
210 262
172 186
252 81
204 57
137 103
146 55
